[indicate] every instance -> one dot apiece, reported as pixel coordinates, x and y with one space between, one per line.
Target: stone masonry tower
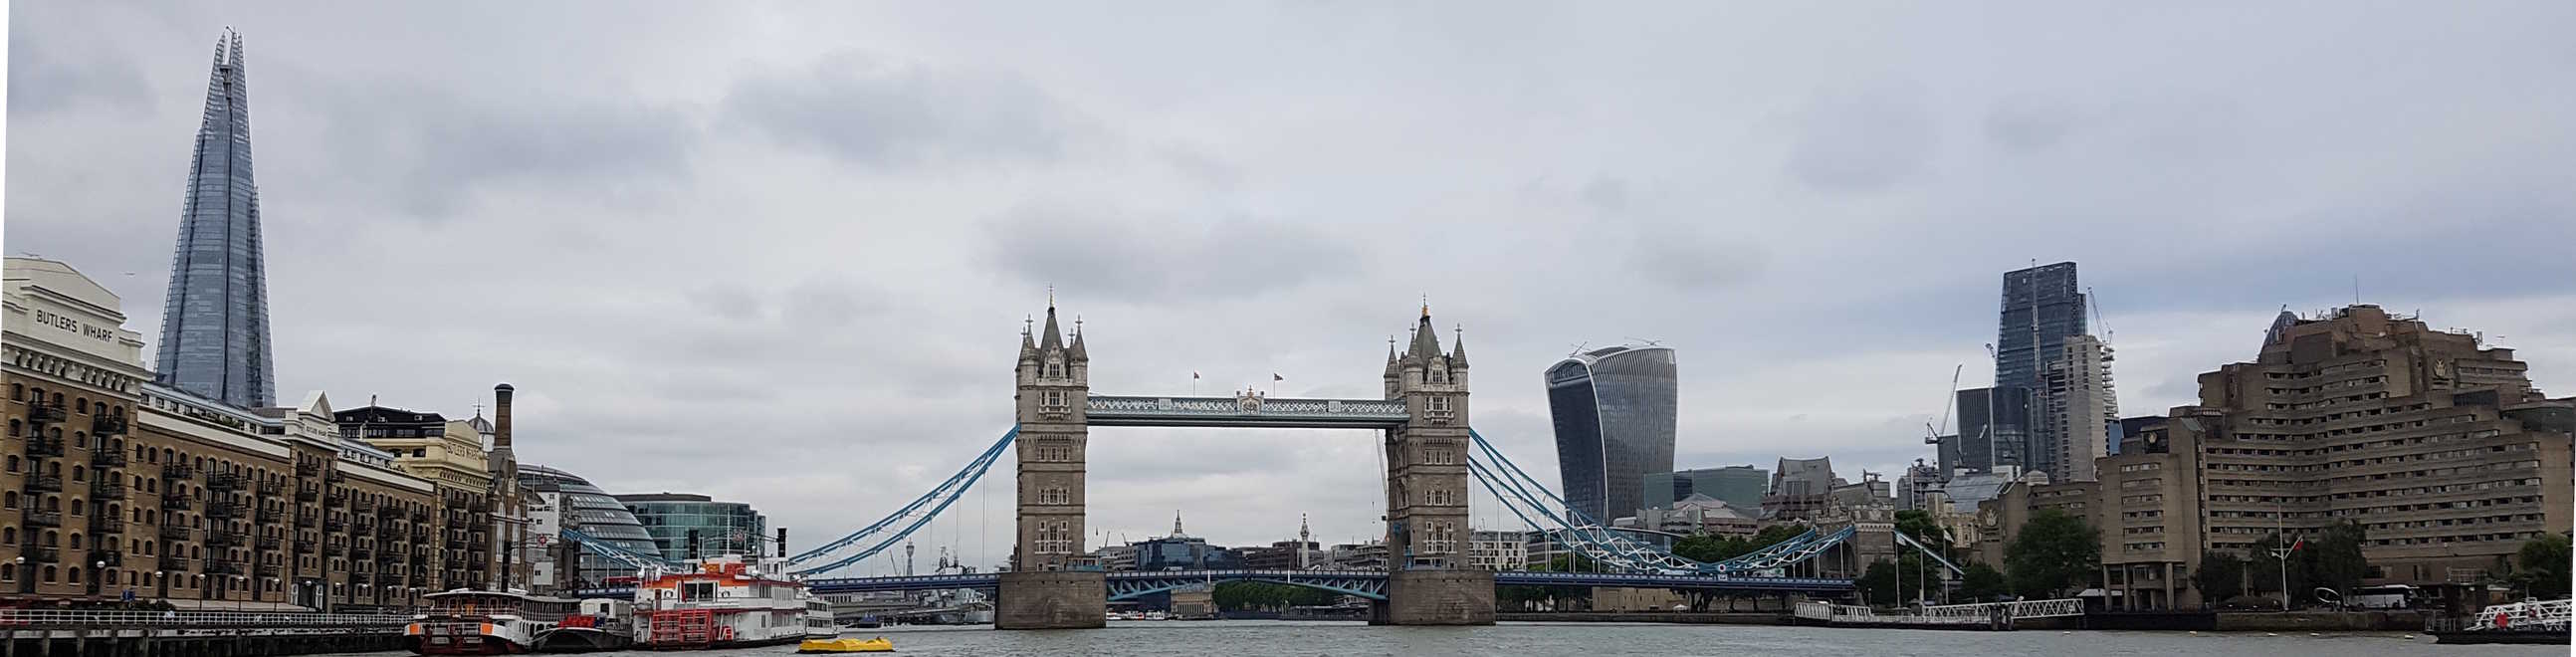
1049 586
1429 582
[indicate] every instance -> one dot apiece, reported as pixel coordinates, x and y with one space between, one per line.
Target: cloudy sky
798 240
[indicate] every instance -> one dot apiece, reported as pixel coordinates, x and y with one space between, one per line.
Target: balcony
334 476
45 483
40 553
44 518
303 547
222 538
265 542
223 568
416 580
174 563
40 446
107 424
304 521
307 493
177 502
107 459
268 488
362 554
107 490
363 529
45 413
223 482
333 550
102 525
363 505
307 469
112 559
177 471
265 515
174 533
456 544
334 500
223 510
335 526
268 570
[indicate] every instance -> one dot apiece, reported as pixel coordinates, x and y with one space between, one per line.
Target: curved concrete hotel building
1613 409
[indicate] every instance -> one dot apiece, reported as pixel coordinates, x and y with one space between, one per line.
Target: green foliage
2540 567
1900 582
1980 583
1924 529
2333 559
1710 548
1774 534
2221 576
1232 596
2053 554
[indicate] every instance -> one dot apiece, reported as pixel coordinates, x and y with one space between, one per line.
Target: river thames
1249 638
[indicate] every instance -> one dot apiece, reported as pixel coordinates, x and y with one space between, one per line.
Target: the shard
214 328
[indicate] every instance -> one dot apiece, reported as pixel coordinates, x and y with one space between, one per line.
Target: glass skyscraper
721 526
214 325
2042 306
1614 413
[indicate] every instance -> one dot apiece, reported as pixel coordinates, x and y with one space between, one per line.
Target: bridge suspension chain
919 512
1526 497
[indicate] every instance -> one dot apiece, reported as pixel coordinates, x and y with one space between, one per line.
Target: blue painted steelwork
640 560
1134 411
946 493
1926 550
1526 497
1369 584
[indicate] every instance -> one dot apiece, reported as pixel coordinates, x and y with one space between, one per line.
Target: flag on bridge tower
1274 377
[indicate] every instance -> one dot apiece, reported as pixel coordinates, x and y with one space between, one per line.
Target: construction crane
1932 433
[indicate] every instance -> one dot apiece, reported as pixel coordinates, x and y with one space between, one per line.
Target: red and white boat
728 603
470 622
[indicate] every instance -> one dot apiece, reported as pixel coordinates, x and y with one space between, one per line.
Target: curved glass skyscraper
1613 409
585 508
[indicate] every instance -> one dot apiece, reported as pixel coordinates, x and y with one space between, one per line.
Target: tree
1981 583
2221 576
1899 582
2263 568
2540 567
2333 559
1774 534
2053 552
1923 528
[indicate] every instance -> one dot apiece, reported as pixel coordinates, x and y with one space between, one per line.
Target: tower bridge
1432 456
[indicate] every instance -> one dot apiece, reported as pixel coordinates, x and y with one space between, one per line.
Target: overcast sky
781 253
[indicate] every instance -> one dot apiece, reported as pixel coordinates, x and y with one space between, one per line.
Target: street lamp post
26 579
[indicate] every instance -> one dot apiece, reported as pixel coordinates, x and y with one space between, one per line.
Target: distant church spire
214 326
1176 522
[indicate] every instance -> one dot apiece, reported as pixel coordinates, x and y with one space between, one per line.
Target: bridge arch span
1133 585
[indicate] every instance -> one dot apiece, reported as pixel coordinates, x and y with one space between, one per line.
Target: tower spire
214 325
1176 522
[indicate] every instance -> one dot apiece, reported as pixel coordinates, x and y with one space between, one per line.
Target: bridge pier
1436 597
1059 600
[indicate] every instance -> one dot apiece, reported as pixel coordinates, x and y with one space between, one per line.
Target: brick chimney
501 417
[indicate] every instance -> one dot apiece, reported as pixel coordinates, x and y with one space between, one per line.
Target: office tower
1614 412
214 326
2081 409
1991 436
1739 486
2042 307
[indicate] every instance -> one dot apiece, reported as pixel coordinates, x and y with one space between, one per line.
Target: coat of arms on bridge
1249 401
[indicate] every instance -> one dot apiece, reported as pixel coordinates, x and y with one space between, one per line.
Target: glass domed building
562 500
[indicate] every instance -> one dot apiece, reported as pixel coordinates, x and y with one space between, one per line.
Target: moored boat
835 646
472 622
728 602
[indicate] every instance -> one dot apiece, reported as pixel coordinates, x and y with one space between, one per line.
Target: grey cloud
1101 252
44 79
883 112
432 151
2028 124
1865 141
1688 261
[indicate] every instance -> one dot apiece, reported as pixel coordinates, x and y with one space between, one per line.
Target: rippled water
1247 638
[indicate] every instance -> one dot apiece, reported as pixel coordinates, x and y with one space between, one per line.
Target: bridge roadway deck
1134 580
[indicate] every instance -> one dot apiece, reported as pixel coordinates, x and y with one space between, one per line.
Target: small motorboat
832 646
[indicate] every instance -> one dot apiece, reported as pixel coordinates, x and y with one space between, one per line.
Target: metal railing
2524 615
1967 614
163 619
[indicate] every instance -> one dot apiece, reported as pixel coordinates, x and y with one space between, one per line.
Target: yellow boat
829 646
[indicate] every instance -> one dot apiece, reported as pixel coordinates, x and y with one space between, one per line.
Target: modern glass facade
1740 486
722 527
1993 429
587 509
214 326
2042 306
1614 414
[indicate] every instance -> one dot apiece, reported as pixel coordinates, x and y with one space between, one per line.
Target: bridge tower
1049 585
1428 579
